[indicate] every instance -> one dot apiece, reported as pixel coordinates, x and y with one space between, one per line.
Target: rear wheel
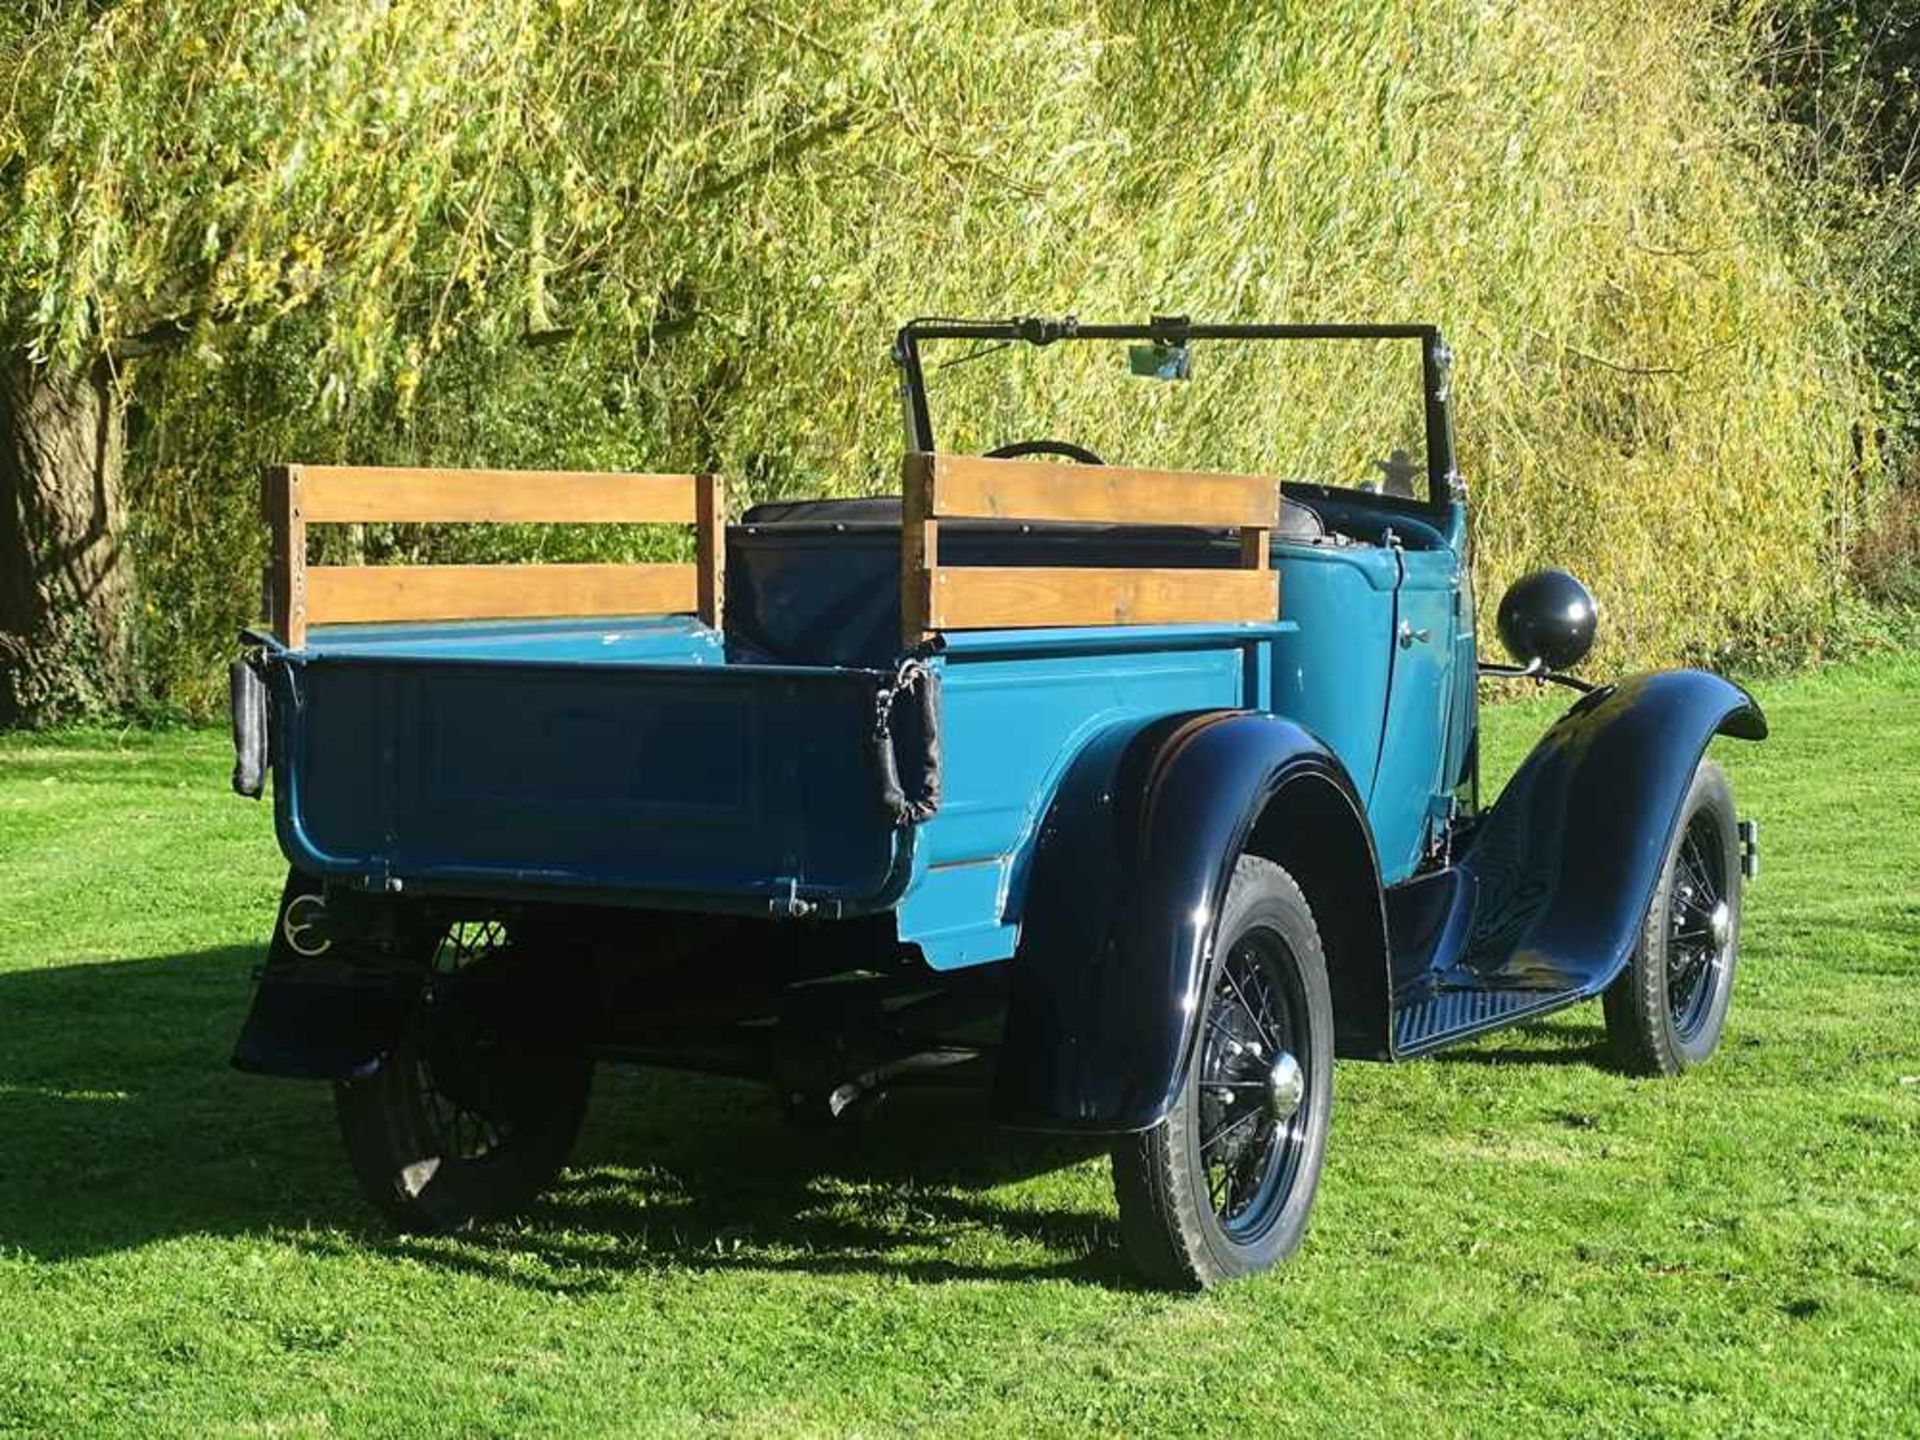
1223 1185
476 1108
1668 1009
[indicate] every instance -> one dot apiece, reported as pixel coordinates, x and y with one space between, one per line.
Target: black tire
475 1110
1180 1224
1666 1012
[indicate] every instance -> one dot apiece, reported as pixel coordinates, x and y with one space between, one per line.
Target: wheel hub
1286 1087
1720 925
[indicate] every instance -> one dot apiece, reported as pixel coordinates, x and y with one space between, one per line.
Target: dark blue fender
1131 867
1564 865
320 1017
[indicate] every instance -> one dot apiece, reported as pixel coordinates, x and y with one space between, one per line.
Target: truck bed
636 762
664 760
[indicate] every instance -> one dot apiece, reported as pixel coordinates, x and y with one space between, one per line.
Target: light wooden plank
710 544
978 488
995 597
344 594
365 493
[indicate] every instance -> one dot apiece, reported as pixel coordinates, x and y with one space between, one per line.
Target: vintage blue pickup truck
1132 796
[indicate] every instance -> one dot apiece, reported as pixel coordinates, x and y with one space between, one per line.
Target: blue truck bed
635 761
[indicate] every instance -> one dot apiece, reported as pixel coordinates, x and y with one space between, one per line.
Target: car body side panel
1330 675
1405 803
1010 725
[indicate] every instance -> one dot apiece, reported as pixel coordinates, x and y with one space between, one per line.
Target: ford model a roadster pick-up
1135 796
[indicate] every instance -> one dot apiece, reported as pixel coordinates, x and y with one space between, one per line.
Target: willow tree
719 205
180 177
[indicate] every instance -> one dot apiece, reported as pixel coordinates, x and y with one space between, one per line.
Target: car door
1412 788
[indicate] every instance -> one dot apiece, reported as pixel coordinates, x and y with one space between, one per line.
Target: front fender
1130 870
1566 862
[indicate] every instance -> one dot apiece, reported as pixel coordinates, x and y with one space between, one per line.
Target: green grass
1511 1238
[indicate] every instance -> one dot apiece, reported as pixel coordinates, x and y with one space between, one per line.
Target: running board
1443 1017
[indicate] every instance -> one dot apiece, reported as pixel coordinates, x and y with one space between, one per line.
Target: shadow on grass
121 1124
1541 1042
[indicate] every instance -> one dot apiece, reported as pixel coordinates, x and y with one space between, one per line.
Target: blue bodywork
653 781
1097 785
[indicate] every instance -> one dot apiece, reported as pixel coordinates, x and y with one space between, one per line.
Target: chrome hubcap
1286 1087
1720 925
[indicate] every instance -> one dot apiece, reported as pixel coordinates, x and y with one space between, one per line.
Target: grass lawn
1510 1238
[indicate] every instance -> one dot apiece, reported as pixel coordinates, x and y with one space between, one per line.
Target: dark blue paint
1545 903
730 787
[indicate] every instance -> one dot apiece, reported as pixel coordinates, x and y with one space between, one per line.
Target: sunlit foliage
670 234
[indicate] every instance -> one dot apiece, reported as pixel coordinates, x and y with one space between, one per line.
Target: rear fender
1130 871
316 1013
1566 862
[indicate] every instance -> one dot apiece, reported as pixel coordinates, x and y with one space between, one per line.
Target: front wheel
1667 1010
1223 1185
476 1108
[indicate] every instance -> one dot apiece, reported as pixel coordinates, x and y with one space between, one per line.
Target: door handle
1408 635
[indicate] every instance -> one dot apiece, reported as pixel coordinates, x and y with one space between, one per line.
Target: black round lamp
1548 618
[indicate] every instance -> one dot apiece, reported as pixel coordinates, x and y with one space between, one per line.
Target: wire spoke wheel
1699 925
1222 1186
1668 1008
464 1113
476 1106
1249 1119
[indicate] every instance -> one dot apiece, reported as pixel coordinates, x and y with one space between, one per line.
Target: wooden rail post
919 548
710 543
1255 547
287 582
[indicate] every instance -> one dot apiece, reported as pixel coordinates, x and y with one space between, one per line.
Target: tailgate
718 786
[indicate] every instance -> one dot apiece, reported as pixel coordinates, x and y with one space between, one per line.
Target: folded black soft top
1295 521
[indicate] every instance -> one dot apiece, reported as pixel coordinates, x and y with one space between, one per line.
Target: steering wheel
1065 449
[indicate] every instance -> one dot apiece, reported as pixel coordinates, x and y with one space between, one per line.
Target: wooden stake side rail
301 595
350 594
936 597
971 487
1012 597
354 493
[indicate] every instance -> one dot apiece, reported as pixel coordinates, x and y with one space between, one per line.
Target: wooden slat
977 488
344 594
337 493
993 597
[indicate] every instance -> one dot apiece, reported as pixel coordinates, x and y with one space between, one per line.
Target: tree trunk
66 579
